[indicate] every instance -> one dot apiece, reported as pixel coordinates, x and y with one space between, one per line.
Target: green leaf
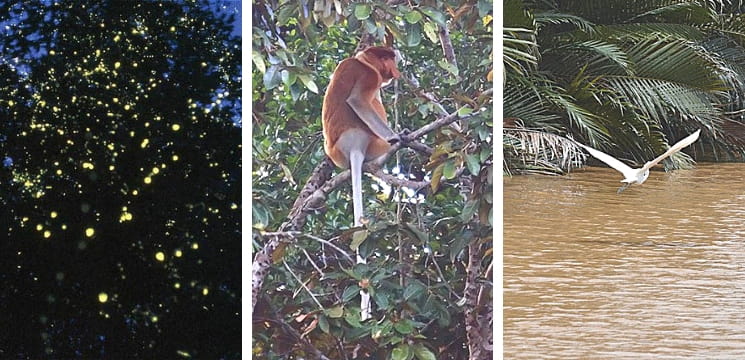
414 289
460 243
413 35
370 26
335 312
353 318
485 154
309 83
448 171
430 29
258 61
413 17
484 6
473 164
395 339
381 300
400 352
469 210
435 15
436 175
323 324
448 67
260 215
350 292
422 236
404 327
443 320
465 110
484 133
272 77
362 11
351 273
288 173
357 238
422 353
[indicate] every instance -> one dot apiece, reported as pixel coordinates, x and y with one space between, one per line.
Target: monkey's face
388 70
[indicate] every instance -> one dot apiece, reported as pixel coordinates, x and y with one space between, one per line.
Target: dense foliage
627 77
416 240
120 181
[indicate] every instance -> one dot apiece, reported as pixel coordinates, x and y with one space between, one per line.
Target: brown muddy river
657 272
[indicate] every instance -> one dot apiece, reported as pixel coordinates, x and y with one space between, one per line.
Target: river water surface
656 272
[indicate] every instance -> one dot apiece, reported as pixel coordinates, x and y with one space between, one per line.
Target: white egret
638 176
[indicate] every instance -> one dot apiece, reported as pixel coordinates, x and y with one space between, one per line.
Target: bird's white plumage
638 176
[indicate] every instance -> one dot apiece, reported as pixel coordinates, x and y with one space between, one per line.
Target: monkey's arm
360 103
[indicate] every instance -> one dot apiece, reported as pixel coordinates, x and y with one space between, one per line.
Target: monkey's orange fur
359 78
355 128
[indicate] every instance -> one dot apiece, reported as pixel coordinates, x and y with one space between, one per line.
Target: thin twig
302 284
329 243
439 272
294 334
320 272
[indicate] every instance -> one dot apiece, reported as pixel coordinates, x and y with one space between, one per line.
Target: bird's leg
622 188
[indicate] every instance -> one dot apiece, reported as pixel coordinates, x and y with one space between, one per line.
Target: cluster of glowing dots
161 256
126 215
155 171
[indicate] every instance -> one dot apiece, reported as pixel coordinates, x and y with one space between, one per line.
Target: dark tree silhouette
120 180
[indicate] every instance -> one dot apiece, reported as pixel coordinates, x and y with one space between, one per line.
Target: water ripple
656 272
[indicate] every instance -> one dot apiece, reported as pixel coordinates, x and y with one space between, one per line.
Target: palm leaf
641 31
677 61
539 151
658 99
526 105
543 18
691 11
519 50
598 56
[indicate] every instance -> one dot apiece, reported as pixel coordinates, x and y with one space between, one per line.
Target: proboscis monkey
355 128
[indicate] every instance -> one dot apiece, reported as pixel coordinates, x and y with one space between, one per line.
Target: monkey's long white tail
356 158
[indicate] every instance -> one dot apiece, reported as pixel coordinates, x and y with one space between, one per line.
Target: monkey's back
339 117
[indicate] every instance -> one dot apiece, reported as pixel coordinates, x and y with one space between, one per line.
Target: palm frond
588 124
658 99
527 150
519 50
626 11
525 104
641 31
691 11
543 18
597 56
676 61
557 101
674 7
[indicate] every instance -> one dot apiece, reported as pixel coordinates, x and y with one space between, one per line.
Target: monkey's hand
402 137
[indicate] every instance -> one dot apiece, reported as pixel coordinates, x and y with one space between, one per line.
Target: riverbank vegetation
625 77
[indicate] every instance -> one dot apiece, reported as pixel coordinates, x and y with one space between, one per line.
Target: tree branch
277 319
396 181
447 45
471 294
315 191
300 281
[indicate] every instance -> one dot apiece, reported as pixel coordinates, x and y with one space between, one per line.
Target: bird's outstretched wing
610 160
688 140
